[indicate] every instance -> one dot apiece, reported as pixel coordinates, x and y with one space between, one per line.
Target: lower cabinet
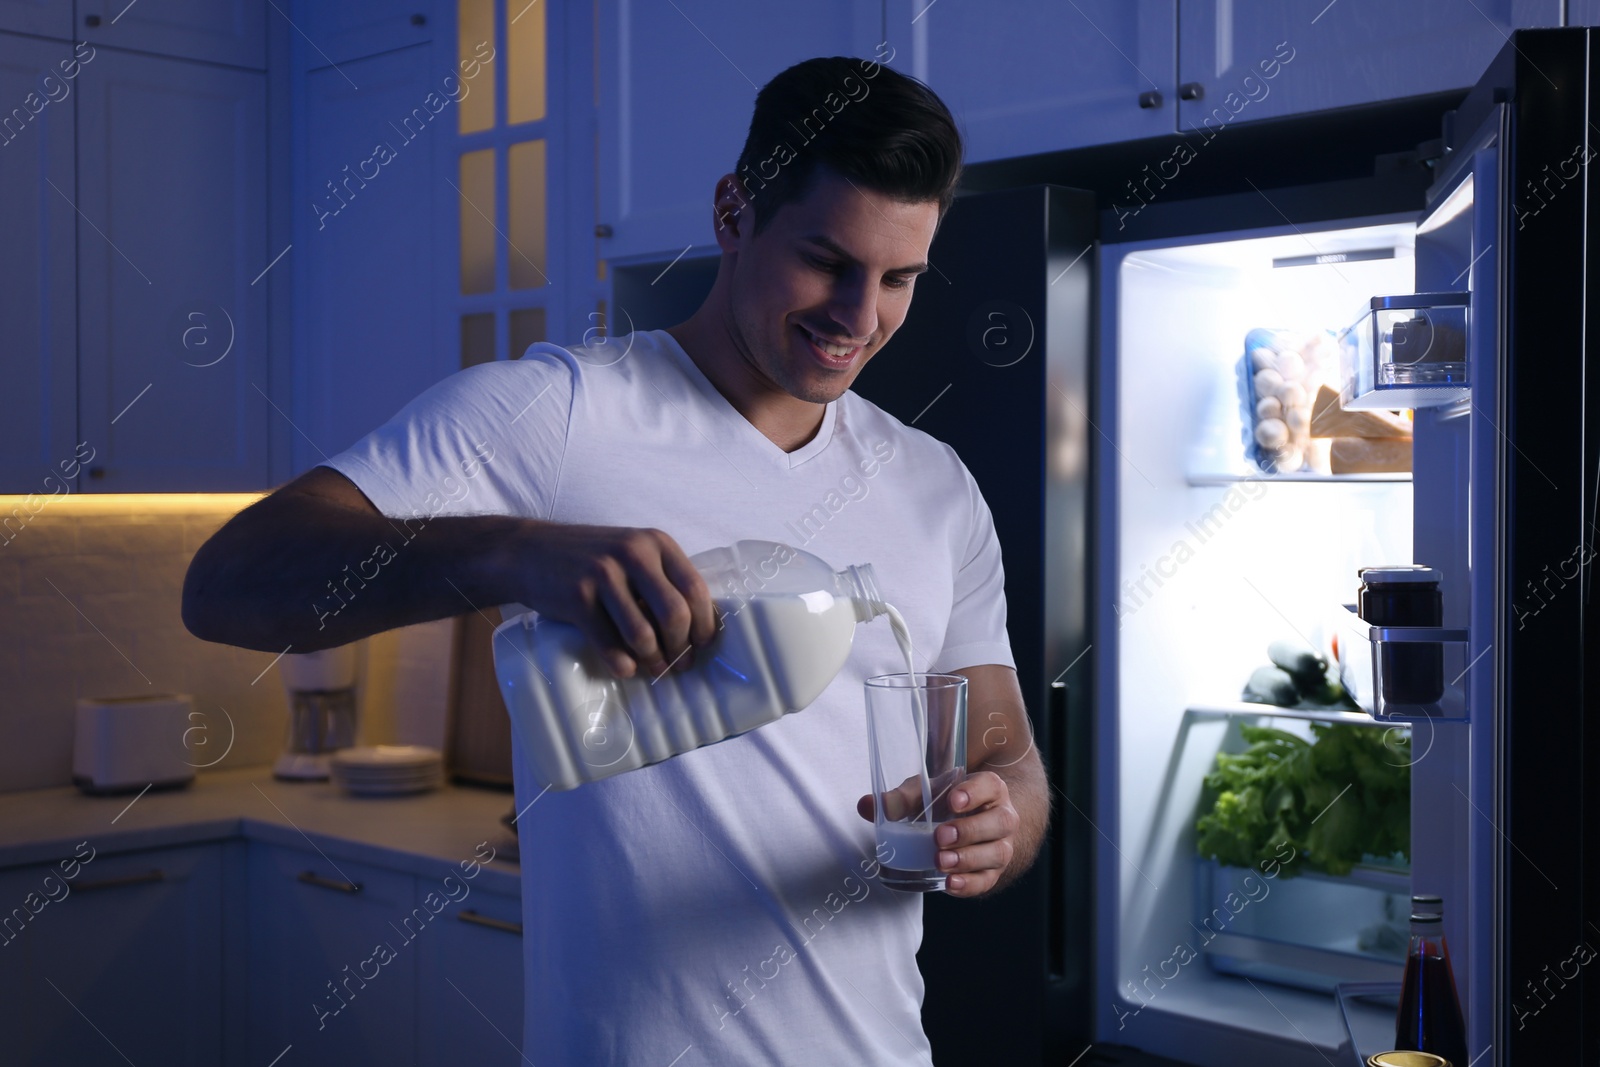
469 989
241 952
113 959
356 965
332 960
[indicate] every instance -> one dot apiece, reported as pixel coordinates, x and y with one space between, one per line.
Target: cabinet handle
1191 91
312 878
419 20
602 230
127 879
1149 99
91 20
470 916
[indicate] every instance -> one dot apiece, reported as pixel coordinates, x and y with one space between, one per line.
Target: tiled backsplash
90 591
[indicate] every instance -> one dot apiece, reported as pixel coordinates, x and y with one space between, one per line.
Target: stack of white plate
387 770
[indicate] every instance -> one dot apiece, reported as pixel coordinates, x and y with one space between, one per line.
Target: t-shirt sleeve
487 440
976 635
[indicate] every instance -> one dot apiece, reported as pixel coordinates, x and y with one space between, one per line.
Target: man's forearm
307 574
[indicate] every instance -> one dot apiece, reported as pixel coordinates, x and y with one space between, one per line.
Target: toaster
124 744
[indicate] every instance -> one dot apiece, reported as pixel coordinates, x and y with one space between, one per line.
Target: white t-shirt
720 906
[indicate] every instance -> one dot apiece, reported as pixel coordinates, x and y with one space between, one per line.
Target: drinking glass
917 742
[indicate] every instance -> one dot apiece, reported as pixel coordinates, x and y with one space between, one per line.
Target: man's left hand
975 847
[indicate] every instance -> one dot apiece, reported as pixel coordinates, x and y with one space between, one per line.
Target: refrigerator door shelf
1406 352
1378 664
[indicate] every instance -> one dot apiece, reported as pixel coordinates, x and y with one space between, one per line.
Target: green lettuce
1336 800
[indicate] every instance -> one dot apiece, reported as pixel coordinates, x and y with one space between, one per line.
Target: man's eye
897 282
827 266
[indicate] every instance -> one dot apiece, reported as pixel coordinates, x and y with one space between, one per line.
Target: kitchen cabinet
332 959
124 956
38 315
232 32
1042 75
366 266
339 33
677 84
469 992
44 18
1259 59
172 209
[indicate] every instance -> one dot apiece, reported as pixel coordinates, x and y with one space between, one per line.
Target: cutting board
478 729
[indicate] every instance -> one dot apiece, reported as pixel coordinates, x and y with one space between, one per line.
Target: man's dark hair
874 126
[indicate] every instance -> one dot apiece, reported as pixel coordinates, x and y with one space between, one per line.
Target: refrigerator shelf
1309 932
1367 652
1333 715
1207 480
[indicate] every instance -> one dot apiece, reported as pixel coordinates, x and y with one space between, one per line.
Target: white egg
1268 382
1291 366
1269 407
1272 433
1292 395
1263 359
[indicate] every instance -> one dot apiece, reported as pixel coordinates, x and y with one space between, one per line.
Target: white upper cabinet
44 18
1243 60
365 240
1042 75
219 31
38 299
172 235
678 82
352 29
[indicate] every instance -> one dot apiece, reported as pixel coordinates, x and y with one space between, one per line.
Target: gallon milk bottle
785 624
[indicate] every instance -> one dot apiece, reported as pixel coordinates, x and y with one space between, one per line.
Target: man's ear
732 212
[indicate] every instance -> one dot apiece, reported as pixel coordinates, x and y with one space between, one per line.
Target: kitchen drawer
122 951
469 990
332 958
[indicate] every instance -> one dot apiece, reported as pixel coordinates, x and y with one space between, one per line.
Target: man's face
826 284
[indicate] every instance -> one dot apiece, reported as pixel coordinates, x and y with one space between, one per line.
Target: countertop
422 834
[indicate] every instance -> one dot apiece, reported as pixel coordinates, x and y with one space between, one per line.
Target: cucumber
1299 662
1270 685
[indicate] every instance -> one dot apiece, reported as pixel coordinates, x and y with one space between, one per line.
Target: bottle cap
1426 917
1391 575
1406 1059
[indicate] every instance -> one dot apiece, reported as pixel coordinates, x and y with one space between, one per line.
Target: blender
322 710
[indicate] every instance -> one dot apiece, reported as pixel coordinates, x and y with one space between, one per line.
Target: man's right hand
633 592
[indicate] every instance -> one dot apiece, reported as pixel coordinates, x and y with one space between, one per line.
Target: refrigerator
1097 379
1202 558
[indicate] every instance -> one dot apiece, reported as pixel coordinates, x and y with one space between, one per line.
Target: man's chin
814 392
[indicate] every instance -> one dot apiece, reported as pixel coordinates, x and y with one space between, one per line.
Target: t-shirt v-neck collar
757 440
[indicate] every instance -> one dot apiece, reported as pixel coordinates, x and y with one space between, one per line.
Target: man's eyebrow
823 241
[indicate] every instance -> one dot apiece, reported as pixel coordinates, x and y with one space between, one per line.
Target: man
720 906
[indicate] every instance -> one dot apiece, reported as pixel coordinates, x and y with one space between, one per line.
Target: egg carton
1279 375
